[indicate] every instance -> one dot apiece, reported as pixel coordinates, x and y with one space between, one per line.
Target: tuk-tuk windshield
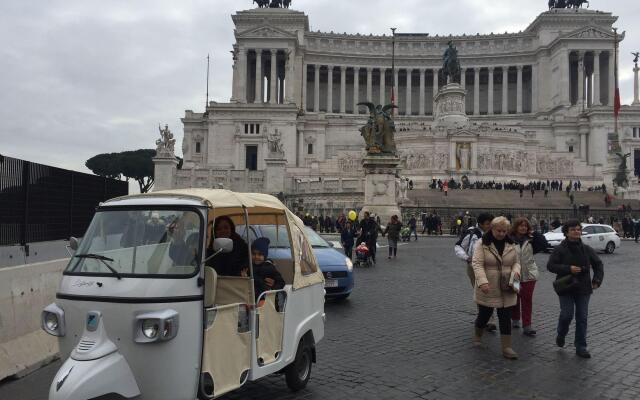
139 243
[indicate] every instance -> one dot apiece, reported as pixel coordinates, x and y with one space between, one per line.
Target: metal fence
447 214
42 203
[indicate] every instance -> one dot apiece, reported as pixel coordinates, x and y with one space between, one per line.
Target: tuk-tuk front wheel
297 374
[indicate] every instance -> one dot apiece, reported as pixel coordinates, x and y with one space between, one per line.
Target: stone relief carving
349 162
429 159
550 166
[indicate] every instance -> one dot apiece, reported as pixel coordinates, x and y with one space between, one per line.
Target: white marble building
538 105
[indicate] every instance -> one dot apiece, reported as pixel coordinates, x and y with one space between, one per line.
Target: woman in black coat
572 257
229 264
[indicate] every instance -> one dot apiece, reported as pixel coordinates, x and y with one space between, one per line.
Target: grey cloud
81 77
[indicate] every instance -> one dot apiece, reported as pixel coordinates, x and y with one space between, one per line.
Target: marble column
356 89
505 90
583 146
316 88
597 101
422 105
329 88
490 92
259 97
435 81
463 78
305 76
567 88
343 89
476 91
289 77
519 90
369 84
395 90
242 71
612 79
580 102
383 84
273 96
636 88
408 106
534 88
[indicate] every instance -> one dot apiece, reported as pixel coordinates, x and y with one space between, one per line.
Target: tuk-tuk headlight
150 328
52 320
157 326
349 264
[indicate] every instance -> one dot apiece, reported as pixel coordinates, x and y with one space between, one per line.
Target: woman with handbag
496 266
528 242
573 261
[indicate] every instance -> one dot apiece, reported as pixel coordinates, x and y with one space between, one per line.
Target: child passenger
265 275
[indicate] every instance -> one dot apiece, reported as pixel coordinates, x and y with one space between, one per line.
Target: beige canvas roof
228 202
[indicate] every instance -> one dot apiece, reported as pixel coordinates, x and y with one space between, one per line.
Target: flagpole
393 70
208 64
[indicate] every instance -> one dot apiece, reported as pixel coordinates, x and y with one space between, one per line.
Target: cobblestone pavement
406 334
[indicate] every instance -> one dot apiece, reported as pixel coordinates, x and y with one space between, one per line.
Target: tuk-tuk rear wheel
298 373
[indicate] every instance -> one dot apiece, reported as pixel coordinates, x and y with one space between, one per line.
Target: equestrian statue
567 4
273 3
451 64
378 133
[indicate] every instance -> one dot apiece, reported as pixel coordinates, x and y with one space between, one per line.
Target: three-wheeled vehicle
158 300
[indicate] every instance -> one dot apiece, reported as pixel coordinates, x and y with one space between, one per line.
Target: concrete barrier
24 291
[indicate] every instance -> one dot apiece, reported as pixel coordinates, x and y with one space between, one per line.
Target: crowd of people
545 186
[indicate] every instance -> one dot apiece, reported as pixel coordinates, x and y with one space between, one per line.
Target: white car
599 237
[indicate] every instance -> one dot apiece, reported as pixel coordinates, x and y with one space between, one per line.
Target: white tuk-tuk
142 312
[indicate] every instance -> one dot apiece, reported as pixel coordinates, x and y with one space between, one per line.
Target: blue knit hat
262 245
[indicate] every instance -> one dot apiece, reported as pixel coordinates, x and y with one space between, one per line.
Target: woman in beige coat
495 262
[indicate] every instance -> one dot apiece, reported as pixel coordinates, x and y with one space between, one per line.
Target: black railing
42 203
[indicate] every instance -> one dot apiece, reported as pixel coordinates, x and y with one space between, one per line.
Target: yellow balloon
459 222
352 215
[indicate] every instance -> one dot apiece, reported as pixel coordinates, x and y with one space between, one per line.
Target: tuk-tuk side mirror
74 243
223 245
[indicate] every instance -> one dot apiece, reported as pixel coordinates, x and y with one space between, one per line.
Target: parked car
336 267
599 237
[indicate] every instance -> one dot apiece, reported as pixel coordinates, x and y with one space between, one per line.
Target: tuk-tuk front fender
81 380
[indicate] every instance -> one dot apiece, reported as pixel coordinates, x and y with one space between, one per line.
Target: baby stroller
405 234
363 258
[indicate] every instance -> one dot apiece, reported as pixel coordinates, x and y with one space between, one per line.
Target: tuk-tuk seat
233 290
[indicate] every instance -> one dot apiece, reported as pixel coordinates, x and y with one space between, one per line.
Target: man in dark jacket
572 257
369 234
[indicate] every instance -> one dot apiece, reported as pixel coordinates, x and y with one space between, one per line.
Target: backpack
471 231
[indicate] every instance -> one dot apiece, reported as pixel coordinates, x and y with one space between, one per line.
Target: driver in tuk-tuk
228 264
183 251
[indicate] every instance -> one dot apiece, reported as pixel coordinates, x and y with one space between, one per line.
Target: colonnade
490 90
591 78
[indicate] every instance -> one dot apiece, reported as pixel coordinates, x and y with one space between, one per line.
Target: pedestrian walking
497 268
636 224
465 247
369 234
528 242
572 262
413 223
392 230
347 237
445 187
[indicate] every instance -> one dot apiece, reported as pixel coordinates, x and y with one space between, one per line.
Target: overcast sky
82 77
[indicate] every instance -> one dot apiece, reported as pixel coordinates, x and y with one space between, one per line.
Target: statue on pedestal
635 59
275 144
622 176
451 64
380 129
567 4
166 144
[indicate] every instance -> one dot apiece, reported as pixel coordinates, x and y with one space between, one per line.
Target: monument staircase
509 199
